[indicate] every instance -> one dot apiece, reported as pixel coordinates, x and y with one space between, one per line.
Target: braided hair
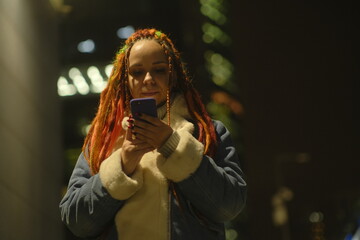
114 101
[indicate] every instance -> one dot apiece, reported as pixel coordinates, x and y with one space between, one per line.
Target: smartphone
143 106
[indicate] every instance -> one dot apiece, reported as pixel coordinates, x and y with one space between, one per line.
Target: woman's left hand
151 130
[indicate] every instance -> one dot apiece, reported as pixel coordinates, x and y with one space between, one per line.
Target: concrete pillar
30 144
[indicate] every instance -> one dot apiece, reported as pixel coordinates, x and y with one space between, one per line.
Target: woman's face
148 71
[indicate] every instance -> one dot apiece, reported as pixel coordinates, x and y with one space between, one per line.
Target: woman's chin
150 95
158 98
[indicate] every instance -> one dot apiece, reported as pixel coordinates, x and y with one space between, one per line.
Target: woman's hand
132 151
151 130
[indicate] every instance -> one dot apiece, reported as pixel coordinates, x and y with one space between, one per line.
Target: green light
219 81
216 59
219 67
216 10
213 13
218 4
216 33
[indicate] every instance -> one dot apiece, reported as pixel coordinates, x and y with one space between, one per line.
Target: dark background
294 75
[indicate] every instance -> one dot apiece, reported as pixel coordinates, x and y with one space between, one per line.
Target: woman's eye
136 72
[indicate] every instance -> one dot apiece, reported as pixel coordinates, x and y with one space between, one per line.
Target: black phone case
143 106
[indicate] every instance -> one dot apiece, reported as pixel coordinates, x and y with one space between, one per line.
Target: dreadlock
114 101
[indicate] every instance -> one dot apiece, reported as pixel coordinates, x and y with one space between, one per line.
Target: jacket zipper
169 210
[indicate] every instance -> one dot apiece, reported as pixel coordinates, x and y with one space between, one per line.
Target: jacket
186 195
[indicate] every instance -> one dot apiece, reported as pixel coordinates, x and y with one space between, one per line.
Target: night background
279 74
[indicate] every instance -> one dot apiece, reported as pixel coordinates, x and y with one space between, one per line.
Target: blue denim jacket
213 194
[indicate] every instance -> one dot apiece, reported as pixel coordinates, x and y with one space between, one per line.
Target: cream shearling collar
145 214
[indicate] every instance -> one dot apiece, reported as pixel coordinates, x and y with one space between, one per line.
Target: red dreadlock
114 102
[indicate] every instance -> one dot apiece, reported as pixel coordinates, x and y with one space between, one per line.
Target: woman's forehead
144 48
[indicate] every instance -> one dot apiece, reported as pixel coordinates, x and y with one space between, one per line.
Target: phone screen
143 106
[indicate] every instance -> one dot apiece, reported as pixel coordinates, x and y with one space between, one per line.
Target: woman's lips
149 93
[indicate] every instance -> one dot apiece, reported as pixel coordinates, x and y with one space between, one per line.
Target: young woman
172 177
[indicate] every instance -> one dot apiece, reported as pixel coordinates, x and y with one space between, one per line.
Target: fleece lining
145 214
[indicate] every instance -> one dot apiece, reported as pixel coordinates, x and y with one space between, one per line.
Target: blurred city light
108 70
79 81
97 81
278 202
65 88
213 10
220 68
60 6
213 32
125 32
218 4
83 80
316 217
87 46
85 129
221 97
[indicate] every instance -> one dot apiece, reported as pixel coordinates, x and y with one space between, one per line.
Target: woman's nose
148 79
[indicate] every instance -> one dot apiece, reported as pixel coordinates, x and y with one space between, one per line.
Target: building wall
296 80
30 159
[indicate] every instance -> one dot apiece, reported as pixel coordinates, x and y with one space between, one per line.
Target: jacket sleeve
214 186
92 201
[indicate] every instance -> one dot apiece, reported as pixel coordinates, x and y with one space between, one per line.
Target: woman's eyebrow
159 62
136 65
154 63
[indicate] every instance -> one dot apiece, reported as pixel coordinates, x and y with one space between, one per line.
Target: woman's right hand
132 151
